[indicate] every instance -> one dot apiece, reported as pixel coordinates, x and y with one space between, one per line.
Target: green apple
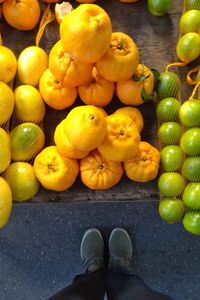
188 47
171 184
169 133
190 22
168 109
171 158
190 141
191 222
169 85
191 195
191 169
191 4
171 209
189 113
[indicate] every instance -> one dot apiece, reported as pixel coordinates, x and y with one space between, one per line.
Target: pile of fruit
80 66
88 142
179 133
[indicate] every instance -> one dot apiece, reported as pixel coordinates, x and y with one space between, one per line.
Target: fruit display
73 110
88 141
22 110
178 131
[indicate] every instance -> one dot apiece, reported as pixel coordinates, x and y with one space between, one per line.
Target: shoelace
95 260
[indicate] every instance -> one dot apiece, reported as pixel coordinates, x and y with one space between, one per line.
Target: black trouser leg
89 286
123 286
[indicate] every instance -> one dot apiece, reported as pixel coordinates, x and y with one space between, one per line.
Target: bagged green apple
171 183
191 4
188 46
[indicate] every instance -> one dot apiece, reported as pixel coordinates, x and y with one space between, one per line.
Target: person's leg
124 286
91 285
121 284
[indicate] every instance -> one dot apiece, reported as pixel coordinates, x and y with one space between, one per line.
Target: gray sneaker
120 249
92 250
